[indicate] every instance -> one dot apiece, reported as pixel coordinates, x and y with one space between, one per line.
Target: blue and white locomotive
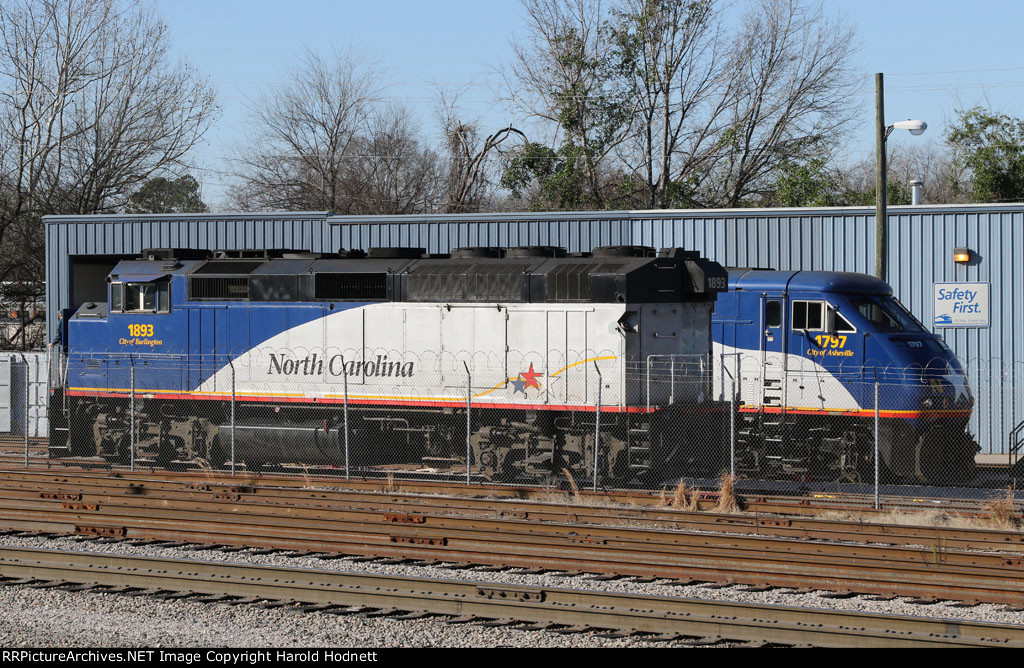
194 353
273 354
801 351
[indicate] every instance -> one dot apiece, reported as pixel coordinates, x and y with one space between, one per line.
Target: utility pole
881 217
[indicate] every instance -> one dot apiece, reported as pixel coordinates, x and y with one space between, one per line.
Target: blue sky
937 57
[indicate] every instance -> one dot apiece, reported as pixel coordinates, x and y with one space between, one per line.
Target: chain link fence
24 426
591 420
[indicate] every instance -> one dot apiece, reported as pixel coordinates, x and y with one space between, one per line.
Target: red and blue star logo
525 380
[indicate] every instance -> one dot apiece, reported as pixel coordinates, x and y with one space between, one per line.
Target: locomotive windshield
886 314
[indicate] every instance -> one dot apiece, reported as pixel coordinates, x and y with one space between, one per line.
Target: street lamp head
914 127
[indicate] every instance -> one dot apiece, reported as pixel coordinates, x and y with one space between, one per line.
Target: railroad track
558 508
223 517
333 592
758 501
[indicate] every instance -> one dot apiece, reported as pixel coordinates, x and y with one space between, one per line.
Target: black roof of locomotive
633 274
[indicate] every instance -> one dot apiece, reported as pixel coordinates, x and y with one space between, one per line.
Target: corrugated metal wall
920 253
21 374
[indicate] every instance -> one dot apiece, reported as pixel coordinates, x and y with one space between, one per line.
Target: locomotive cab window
809 315
773 314
140 297
840 324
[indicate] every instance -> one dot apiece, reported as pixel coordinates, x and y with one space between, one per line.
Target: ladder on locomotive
774 423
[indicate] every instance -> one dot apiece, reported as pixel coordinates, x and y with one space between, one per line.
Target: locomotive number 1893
140 330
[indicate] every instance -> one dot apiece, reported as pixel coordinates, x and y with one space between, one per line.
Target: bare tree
306 132
671 53
793 89
90 107
467 176
653 102
932 162
327 141
392 173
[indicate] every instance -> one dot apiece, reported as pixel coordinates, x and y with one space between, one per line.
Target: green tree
807 184
567 76
896 194
160 195
990 148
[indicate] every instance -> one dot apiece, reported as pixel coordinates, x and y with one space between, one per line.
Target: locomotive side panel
264 348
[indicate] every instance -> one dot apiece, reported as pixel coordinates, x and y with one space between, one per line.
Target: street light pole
881 218
882 132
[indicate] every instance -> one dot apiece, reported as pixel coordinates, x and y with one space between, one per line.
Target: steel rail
933 538
517 543
547 605
807 503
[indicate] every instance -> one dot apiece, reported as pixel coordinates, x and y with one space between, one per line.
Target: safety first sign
961 305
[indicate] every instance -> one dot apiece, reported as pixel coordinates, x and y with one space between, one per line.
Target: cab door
773 349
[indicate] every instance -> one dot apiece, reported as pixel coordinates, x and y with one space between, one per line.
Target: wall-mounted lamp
961 255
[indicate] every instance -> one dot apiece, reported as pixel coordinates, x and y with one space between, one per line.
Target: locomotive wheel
218 454
945 457
862 470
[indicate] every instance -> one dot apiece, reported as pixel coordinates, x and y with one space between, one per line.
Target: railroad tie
570 630
50 585
717 585
415 615
383 612
307 608
348 610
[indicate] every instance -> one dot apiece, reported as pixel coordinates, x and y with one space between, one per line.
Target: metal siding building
921 243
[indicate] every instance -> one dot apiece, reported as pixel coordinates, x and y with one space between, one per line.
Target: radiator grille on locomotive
221 280
343 286
501 281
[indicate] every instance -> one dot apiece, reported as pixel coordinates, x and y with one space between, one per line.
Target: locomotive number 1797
826 341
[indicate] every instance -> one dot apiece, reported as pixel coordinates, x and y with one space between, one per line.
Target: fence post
131 413
732 425
597 422
231 363
344 380
877 505
27 382
672 380
469 421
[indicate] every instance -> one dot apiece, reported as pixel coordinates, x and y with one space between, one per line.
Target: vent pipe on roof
915 192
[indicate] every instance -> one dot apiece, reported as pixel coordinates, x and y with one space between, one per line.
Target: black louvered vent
226 280
228 288
571 282
471 282
227 267
351 286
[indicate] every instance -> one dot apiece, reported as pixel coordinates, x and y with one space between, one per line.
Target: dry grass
932 518
685 498
572 485
727 500
390 486
205 467
1002 514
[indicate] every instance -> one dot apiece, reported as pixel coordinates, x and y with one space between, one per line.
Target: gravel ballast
45 617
